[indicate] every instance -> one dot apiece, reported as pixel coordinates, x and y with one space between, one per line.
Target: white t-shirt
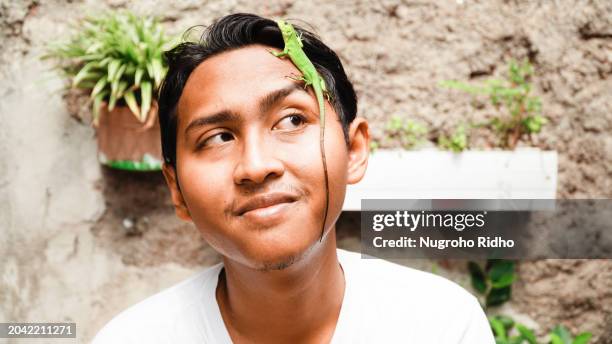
383 303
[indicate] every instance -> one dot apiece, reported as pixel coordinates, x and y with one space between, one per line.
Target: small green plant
458 140
409 133
493 281
507 331
513 95
503 329
118 58
560 335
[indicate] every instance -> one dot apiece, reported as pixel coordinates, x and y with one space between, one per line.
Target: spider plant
118 58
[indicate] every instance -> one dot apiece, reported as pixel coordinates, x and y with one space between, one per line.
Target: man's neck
300 303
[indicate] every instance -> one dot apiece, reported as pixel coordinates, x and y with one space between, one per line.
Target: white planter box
430 174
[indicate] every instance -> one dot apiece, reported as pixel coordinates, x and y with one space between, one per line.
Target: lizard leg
324 89
297 77
281 54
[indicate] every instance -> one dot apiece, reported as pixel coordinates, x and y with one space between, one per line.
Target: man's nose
257 161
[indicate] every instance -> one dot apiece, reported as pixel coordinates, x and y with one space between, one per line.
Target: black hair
235 31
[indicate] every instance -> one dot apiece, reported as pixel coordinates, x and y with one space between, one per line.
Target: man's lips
264 201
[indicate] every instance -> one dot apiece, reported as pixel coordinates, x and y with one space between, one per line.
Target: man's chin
281 260
278 265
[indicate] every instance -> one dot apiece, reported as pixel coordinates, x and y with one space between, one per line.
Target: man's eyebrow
265 103
270 99
219 117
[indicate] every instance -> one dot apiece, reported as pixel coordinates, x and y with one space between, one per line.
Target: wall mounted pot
126 143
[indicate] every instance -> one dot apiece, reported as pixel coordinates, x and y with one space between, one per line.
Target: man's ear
177 197
359 149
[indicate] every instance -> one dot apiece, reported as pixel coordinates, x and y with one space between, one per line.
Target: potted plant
117 59
453 169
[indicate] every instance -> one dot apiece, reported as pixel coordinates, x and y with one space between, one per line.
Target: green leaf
82 74
114 87
501 273
462 86
150 70
113 96
87 84
498 296
121 89
92 48
93 57
131 52
130 100
503 281
582 338
527 334
555 339
534 124
498 328
145 99
120 72
563 334
478 277
138 76
158 71
104 62
395 123
516 340
98 87
96 106
113 66
506 321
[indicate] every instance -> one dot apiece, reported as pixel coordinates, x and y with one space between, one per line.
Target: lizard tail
322 146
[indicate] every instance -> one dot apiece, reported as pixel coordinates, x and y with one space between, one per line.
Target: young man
240 138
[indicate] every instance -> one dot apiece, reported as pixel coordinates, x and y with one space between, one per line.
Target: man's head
240 141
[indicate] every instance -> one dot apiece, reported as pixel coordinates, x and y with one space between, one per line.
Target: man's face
248 159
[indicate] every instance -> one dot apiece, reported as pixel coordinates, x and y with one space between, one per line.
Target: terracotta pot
126 143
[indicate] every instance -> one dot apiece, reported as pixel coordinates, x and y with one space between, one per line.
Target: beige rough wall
65 254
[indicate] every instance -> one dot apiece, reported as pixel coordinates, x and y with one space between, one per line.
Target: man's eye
290 122
217 139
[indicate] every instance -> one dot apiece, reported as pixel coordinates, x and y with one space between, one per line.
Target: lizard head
287 29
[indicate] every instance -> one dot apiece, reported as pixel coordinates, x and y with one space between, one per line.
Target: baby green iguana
310 76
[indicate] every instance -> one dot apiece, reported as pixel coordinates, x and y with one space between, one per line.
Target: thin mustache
258 190
250 191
